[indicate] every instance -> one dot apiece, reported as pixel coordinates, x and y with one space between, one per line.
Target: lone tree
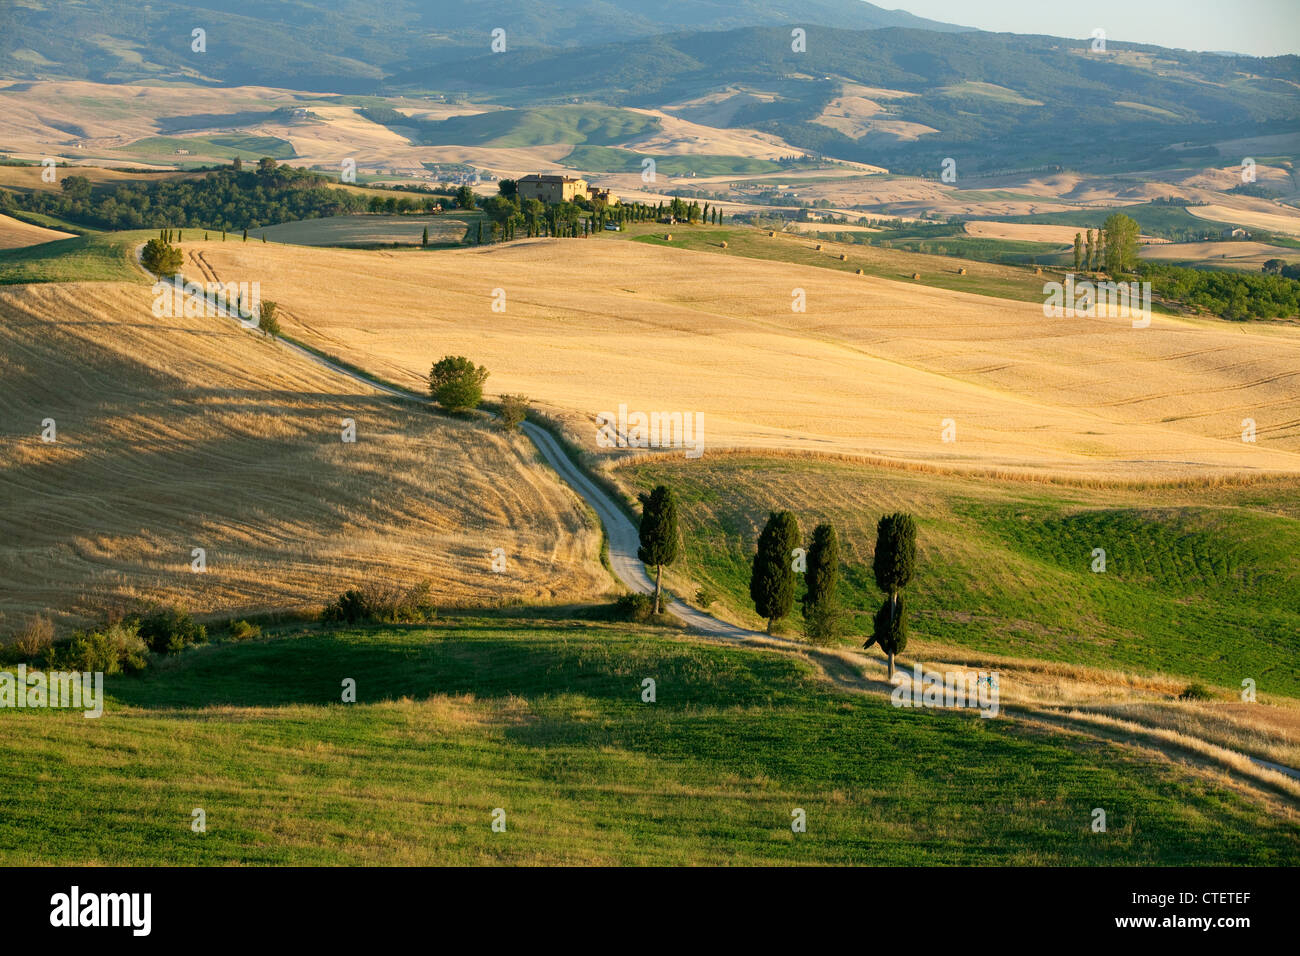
267 320
161 257
821 609
513 411
771 584
893 564
456 383
660 540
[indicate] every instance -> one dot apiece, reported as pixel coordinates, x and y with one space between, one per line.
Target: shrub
704 597
637 608
382 603
168 629
456 383
35 638
243 631
114 649
1196 692
514 409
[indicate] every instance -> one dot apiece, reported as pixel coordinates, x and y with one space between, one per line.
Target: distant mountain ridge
349 46
1003 100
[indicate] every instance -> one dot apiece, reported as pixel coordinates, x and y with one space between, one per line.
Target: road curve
624 540
622 535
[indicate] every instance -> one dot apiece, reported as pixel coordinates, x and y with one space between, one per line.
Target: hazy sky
1259 27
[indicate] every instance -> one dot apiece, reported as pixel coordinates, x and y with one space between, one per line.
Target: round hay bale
843 257
770 234
961 271
1038 270
724 244
819 247
668 237
916 275
860 272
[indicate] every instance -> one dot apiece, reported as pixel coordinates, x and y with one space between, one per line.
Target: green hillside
546 722
1198 583
595 125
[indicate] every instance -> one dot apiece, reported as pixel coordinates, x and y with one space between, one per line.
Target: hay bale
668 237
1038 270
961 271
770 234
843 257
724 244
819 247
916 275
860 272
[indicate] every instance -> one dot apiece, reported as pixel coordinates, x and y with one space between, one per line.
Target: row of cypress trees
772 583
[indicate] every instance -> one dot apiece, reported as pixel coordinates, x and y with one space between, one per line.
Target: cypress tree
771 582
245 234
821 611
1078 250
424 239
660 538
893 564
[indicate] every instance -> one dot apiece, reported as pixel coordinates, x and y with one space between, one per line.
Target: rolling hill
872 368
190 432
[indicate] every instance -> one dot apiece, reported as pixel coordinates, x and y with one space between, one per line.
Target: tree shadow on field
485 660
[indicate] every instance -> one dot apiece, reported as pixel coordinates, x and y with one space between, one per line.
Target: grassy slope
546 722
608 159
1008 282
597 125
101 257
1198 583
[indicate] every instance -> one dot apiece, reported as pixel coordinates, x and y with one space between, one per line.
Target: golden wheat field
15 234
182 433
873 367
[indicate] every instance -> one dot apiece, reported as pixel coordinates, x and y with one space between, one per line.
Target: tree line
228 198
779 559
512 216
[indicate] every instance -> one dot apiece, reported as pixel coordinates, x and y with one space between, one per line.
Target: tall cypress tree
894 564
1078 250
821 609
660 538
771 582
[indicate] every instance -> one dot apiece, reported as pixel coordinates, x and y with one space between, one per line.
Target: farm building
552 188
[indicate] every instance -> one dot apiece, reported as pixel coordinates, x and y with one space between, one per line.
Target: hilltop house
551 189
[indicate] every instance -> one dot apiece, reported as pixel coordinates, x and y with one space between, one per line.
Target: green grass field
225 146
101 257
545 721
608 159
1200 583
1004 281
1156 219
542 126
